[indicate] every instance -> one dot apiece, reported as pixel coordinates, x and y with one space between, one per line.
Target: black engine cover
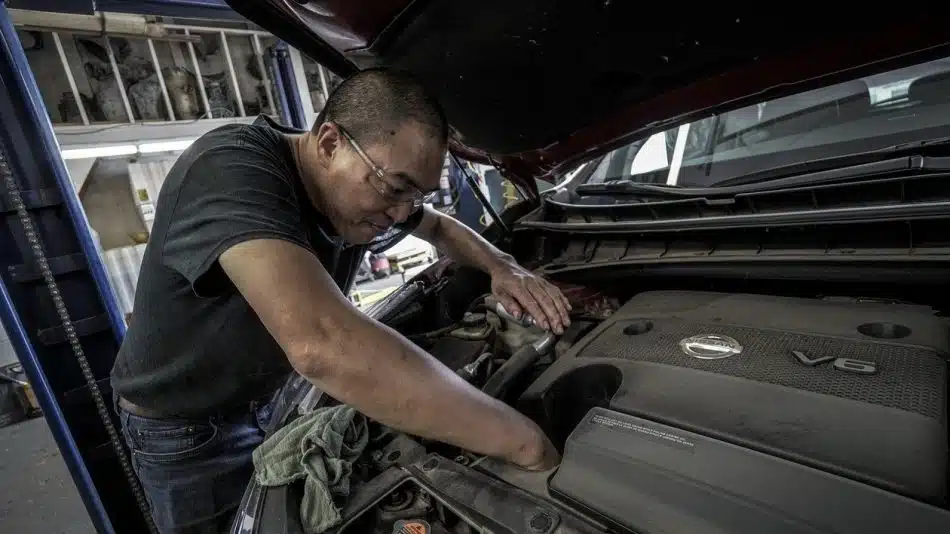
652 478
858 390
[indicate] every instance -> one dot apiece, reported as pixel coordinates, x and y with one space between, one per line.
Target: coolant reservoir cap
411 526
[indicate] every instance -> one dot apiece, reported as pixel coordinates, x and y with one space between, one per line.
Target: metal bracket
473 185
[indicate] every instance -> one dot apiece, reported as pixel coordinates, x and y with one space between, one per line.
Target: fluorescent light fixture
99 152
127 150
165 146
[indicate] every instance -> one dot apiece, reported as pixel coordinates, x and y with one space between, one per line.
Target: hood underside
536 87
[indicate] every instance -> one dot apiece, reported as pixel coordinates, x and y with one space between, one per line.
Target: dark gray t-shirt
194 345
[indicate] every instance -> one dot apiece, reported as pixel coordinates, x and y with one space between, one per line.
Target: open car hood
536 87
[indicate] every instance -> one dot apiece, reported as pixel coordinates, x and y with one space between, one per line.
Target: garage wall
119 202
108 201
146 177
7 356
79 170
123 266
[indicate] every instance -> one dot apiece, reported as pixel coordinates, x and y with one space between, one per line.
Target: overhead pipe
99 24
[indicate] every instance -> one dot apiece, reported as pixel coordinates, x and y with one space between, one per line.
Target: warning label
654 434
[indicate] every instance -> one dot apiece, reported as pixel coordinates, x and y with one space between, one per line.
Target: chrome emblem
710 346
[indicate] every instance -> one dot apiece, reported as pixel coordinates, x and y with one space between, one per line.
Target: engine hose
33 238
477 303
497 386
435 333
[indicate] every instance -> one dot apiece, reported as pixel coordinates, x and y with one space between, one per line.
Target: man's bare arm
460 242
367 365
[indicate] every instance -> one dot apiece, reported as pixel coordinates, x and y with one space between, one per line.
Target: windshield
908 104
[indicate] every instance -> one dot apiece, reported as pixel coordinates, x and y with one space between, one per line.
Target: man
257 230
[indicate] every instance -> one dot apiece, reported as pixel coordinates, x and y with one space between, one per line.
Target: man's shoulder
237 135
230 163
237 143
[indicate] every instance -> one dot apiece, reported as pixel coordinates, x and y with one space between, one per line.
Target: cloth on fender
318 448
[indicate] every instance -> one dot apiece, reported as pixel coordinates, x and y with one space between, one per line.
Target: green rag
319 448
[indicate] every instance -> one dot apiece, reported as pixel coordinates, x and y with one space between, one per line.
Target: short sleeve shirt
194 345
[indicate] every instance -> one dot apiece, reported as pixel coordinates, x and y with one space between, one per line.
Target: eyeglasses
392 187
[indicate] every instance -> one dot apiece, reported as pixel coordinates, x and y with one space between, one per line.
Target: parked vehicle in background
409 252
373 267
365 272
379 265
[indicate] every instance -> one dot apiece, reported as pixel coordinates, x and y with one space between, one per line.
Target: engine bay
686 411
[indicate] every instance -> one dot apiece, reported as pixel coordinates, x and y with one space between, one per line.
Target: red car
379 265
751 222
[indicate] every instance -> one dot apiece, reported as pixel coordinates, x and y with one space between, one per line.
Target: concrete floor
37 495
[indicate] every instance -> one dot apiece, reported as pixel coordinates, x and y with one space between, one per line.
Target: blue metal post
32 165
295 105
279 86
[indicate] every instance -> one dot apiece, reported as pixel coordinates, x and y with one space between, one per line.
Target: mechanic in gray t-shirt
258 233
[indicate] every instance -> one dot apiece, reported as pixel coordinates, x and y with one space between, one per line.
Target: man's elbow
320 354
311 361
312 351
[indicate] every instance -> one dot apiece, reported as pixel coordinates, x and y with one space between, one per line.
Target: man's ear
328 141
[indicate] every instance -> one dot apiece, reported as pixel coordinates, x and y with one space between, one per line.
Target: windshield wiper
937 141
626 187
767 180
848 166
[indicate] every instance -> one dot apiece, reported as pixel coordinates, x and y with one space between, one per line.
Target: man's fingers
511 305
567 301
546 303
559 302
530 304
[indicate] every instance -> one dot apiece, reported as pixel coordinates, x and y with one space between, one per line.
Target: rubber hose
498 384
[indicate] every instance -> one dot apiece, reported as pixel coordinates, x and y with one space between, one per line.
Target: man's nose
400 212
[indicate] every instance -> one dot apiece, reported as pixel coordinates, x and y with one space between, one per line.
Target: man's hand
541 455
515 287
520 290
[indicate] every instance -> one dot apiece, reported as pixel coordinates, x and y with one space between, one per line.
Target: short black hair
373 103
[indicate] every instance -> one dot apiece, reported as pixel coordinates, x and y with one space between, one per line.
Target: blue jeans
194 471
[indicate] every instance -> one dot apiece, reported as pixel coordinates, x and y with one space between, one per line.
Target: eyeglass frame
417 197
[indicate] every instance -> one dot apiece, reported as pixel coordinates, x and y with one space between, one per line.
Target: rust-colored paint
344 24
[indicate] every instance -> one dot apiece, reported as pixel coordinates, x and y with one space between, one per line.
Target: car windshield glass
908 104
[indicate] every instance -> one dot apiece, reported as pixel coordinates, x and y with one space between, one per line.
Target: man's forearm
389 379
465 246
368 365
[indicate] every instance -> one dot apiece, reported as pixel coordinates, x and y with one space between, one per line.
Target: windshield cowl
897 188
